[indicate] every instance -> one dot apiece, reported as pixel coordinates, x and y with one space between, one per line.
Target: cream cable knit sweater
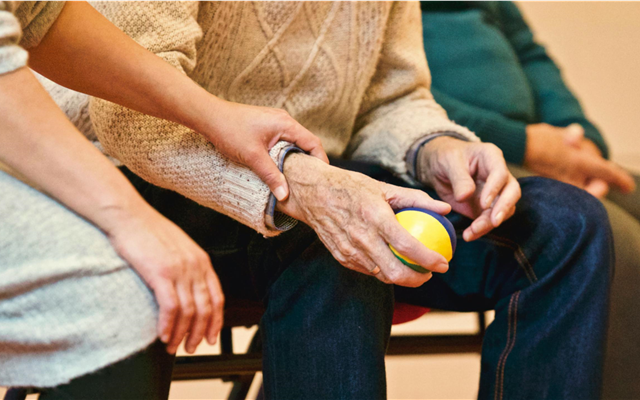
353 73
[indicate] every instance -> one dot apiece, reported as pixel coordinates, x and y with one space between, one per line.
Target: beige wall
597 45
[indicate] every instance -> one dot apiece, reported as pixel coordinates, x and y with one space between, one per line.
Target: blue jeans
546 272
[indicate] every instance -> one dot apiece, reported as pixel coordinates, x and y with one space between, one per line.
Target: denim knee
566 220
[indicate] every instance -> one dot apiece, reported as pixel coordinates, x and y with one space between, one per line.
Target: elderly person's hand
473 178
566 155
353 216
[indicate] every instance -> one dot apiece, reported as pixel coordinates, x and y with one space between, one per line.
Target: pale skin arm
566 155
38 141
85 52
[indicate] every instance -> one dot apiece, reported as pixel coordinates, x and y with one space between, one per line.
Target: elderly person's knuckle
402 245
361 238
345 248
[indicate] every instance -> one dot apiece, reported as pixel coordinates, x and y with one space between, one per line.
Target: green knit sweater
490 74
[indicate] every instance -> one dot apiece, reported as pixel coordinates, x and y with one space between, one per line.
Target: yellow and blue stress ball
431 229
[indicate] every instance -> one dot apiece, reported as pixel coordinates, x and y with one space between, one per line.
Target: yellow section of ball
428 230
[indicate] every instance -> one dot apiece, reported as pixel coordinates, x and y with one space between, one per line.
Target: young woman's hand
83 51
177 270
246 133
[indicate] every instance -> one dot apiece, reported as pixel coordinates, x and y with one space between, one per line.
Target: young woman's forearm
38 141
85 52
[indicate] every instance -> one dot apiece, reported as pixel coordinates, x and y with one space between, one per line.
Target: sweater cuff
275 220
509 136
12 57
36 18
414 150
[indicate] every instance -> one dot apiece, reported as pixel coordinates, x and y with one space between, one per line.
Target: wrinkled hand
177 270
246 133
566 155
353 216
473 178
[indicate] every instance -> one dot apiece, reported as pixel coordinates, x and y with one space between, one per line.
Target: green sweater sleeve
509 135
555 104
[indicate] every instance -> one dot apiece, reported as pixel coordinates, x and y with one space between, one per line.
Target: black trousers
144 375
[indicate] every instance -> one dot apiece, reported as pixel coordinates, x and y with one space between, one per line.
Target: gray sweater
69 305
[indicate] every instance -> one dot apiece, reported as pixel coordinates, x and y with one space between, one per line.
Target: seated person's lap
48 252
544 271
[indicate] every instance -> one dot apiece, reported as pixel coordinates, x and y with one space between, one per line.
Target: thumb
573 135
268 172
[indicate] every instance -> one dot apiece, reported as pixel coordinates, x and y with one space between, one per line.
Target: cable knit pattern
353 73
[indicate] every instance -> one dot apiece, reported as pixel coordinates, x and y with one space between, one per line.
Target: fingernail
499 218
280 193
487 201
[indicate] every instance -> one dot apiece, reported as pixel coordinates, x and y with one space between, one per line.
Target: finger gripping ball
431 229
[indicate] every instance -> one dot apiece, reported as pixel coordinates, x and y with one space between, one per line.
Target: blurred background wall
597 45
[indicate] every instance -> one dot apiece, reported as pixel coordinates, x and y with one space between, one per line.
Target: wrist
112 217
206 114
425 154
304 174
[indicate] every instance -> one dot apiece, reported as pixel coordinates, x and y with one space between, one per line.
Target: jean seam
521 258
511 341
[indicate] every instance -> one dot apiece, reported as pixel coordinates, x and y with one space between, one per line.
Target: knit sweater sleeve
555 104
398 108
167 154
22 26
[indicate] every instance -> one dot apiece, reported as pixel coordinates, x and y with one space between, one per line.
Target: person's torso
314 59
472 60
